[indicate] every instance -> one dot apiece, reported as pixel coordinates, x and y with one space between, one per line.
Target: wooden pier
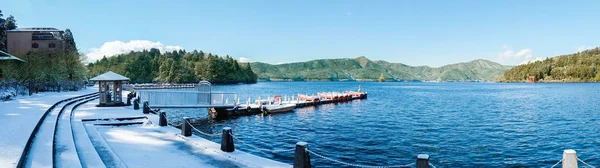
258 106
223 105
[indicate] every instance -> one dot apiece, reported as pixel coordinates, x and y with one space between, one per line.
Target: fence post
186 129
423 161
136 104
302 157
227 140
162 120
569 159
146 109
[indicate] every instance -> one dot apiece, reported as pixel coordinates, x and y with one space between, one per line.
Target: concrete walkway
148 145
18 119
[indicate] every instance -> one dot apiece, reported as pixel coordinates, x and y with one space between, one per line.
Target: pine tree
202 55
154 52
2 32
10 23
144 67
70 41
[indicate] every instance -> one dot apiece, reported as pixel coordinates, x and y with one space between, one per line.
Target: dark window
35 45
43 36
51 45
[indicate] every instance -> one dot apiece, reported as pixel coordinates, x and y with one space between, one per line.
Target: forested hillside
362 68
175 67
578 67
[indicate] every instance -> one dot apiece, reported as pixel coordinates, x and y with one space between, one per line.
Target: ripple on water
457 124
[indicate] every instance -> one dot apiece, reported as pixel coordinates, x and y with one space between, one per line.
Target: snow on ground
142 145
41 148
65 144
18 119
85 149
148 145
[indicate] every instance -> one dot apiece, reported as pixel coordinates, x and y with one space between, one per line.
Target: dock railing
158 86
301 150
161 98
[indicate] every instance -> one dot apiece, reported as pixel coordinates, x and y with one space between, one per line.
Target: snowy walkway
19 117
148 145
88 143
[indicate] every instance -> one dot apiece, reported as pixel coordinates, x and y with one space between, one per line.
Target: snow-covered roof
110 76
7 56
36 29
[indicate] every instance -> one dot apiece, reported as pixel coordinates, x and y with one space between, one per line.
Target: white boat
276 108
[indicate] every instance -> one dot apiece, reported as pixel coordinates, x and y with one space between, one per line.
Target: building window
51 45
35 45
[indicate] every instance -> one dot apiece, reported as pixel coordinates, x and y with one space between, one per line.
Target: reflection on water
457 124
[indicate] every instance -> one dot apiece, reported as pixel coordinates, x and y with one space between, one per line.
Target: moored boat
308 98
278 108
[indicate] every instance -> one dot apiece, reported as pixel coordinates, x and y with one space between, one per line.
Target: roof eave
10 57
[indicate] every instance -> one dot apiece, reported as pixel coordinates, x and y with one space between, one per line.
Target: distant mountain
363 69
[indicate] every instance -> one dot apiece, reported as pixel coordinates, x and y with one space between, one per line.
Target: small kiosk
111 88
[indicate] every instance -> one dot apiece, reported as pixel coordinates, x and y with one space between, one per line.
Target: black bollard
302 157
423 161
162 120
146 109
227 140
186 129
136 104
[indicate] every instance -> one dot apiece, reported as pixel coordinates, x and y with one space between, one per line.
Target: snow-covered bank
18 118
148 145
9 93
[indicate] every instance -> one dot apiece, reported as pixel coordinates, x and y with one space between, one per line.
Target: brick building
21 41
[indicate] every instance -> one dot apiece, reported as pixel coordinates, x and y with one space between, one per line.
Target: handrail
186 91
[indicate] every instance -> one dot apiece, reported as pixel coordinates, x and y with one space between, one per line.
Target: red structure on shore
531 79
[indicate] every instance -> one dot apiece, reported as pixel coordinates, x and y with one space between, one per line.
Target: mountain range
363 69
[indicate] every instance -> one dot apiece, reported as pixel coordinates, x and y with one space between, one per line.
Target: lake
457 124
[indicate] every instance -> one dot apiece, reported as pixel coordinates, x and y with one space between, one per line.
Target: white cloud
244 60
524 56
583 48
531 60
112 48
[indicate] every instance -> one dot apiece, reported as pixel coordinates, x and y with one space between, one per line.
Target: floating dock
222 105
259 105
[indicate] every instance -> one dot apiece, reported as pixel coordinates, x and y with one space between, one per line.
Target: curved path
65 152
40 149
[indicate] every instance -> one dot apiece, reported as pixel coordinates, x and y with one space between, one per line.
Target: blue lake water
457 124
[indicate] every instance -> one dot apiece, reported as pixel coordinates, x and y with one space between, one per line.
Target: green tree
73 66
11 23
177 66
2 32
70 45
580 66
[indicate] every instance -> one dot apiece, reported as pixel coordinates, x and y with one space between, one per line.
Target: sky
432 33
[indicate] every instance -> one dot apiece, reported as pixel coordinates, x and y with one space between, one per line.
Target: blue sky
430 33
